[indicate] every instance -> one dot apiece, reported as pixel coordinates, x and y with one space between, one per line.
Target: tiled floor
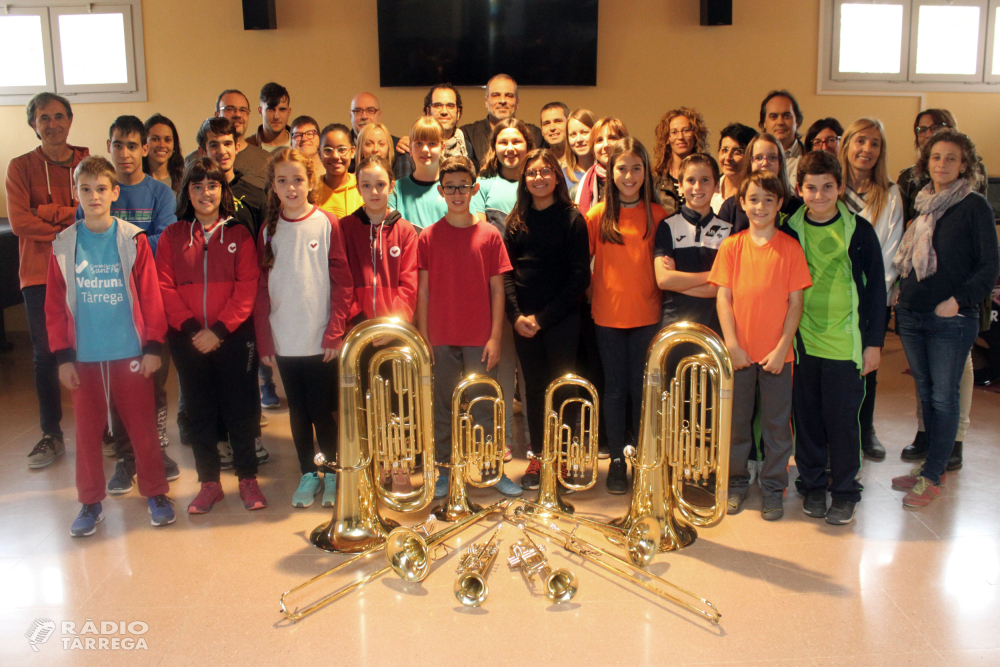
895 588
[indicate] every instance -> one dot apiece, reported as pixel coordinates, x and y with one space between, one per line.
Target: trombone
567 454
407 554
570 542
470 586
473 451
560 585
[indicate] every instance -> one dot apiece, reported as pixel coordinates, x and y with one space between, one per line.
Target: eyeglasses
308 134
367 111
829 142
460 189
923 129
761 159
544 172
685 132
243 111
450 106
209 187
342 151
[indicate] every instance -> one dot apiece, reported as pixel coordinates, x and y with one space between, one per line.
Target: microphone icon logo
39 632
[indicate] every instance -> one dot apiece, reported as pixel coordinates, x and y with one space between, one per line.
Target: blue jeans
623 356
936 348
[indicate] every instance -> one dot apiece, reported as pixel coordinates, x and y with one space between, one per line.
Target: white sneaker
225 454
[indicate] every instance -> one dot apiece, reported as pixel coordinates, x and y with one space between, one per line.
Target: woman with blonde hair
579 156
375 138
868 192
681 132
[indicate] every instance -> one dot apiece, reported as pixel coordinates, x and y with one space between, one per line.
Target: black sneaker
618 477
917 451
815 504
529 480
121 482
734 504
170 467
841 512
955 460
773 508
871 447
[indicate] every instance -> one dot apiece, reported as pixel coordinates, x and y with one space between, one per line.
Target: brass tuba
569 457
373 437
473 451
683 437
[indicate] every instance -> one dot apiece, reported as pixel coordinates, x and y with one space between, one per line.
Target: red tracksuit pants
132 395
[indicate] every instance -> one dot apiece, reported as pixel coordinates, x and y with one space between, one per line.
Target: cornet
525 555
470 586
683 435
473 451
569 457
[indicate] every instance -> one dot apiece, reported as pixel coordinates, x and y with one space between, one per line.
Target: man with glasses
443 103
501 104
365 109
305 138
251 161
275 110
780 115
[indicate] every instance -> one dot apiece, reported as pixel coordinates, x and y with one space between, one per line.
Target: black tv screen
465 42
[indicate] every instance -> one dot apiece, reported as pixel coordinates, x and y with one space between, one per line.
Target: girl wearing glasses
869 193
416 197
337 191
681 132
824 135
546 240
732 149
764 152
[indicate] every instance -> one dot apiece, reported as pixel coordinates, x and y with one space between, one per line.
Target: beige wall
650 59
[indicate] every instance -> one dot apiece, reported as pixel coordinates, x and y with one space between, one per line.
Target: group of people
517 251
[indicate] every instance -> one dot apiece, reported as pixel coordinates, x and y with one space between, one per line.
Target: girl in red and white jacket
208 271
382 253
304 297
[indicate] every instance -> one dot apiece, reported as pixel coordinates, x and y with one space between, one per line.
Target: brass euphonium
569 456
684 435
473 450
373 437
470 587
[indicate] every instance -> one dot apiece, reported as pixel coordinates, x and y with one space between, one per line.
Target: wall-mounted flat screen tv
465 42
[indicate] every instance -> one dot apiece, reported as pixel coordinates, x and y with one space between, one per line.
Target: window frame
869 76
980 52
134 91
830 81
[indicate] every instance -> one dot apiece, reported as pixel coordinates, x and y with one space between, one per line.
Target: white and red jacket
143 291
207 283
383 259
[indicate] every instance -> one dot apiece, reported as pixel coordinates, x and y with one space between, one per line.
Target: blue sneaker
508 488
441 486
161 509
329 489
309 486
268 397
87 520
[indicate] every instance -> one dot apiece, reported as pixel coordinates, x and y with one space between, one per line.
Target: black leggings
311 388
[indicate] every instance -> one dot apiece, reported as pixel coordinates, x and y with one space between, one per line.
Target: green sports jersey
827 315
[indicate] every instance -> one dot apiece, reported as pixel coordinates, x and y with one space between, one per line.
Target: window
89 52
909 45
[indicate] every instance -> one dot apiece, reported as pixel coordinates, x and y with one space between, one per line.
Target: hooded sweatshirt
36 183
383 260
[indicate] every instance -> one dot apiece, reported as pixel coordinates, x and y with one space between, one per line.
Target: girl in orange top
626 299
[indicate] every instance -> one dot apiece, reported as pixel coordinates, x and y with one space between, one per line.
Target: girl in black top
548 247
763 152
948 261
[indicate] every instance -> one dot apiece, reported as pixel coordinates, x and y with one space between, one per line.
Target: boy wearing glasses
305 138
417 197
460 303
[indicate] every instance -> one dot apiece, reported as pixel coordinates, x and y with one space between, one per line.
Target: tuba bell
374 436
683 436
474 452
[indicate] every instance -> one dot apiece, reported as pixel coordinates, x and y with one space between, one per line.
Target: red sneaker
251 495
922 493
908 481
211 493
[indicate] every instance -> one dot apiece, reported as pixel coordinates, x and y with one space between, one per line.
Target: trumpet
473 451
570 542
569 457
560 585
470 586
373 437
407 553
640 542
683 436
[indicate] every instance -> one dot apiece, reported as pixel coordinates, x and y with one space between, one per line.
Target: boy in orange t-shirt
761 275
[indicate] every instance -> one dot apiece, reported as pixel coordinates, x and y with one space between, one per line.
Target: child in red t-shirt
460 304
761 274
